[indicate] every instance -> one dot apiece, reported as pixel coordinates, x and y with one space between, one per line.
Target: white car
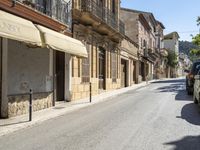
196 93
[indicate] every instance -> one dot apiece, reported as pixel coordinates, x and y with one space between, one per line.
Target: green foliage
198 21
195 52
172 59
194 55
196 40
186 46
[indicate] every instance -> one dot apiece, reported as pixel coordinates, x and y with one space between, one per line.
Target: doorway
123 73
143 71
134 71
60 76
101 68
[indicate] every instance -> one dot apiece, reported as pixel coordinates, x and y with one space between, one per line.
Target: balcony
59 10
145 52
104 14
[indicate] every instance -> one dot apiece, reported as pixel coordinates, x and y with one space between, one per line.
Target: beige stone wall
110 85
19 105
131 22
81 90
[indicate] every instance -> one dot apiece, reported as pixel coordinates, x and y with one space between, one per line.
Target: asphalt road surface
160 116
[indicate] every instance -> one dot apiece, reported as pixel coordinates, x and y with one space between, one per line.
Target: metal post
30 105
90 92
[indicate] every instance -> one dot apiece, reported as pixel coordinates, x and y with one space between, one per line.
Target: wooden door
143 71
60 75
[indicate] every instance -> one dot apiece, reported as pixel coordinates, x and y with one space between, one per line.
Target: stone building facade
138 30
35 53
129 52
142 28
96 23
161 63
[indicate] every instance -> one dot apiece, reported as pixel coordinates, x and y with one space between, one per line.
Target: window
86 67
100 3
141 43
113 6
114 66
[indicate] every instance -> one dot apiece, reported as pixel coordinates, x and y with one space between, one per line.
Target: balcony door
100 3
100 9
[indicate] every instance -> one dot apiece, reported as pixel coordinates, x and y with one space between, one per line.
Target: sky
176 15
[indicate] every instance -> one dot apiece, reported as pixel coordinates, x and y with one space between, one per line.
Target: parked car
196 93
190 77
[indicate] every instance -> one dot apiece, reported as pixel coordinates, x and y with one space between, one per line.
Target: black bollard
30 105
90 92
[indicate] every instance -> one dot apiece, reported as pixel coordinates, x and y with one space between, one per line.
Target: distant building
147 32
171 42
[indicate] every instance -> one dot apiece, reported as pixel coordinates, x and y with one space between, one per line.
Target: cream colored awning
16 28
62 42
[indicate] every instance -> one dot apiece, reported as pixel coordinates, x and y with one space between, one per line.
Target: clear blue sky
176 15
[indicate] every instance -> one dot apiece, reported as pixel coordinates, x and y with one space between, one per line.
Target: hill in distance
186 46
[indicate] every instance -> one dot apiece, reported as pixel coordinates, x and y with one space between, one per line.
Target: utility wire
188 31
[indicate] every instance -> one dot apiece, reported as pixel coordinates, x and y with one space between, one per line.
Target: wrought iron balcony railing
103 13
56 9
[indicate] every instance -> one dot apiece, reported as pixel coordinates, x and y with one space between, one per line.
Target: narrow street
160 116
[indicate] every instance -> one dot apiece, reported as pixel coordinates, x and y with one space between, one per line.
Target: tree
198 21
196 40
172 59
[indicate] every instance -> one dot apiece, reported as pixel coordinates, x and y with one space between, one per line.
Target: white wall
172 45
28 68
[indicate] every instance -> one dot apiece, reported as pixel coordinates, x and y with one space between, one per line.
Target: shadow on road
190 113
170 88
169 81
13 123
178 88
186 143
183 96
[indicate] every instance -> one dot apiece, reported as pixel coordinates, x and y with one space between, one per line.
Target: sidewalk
20 122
